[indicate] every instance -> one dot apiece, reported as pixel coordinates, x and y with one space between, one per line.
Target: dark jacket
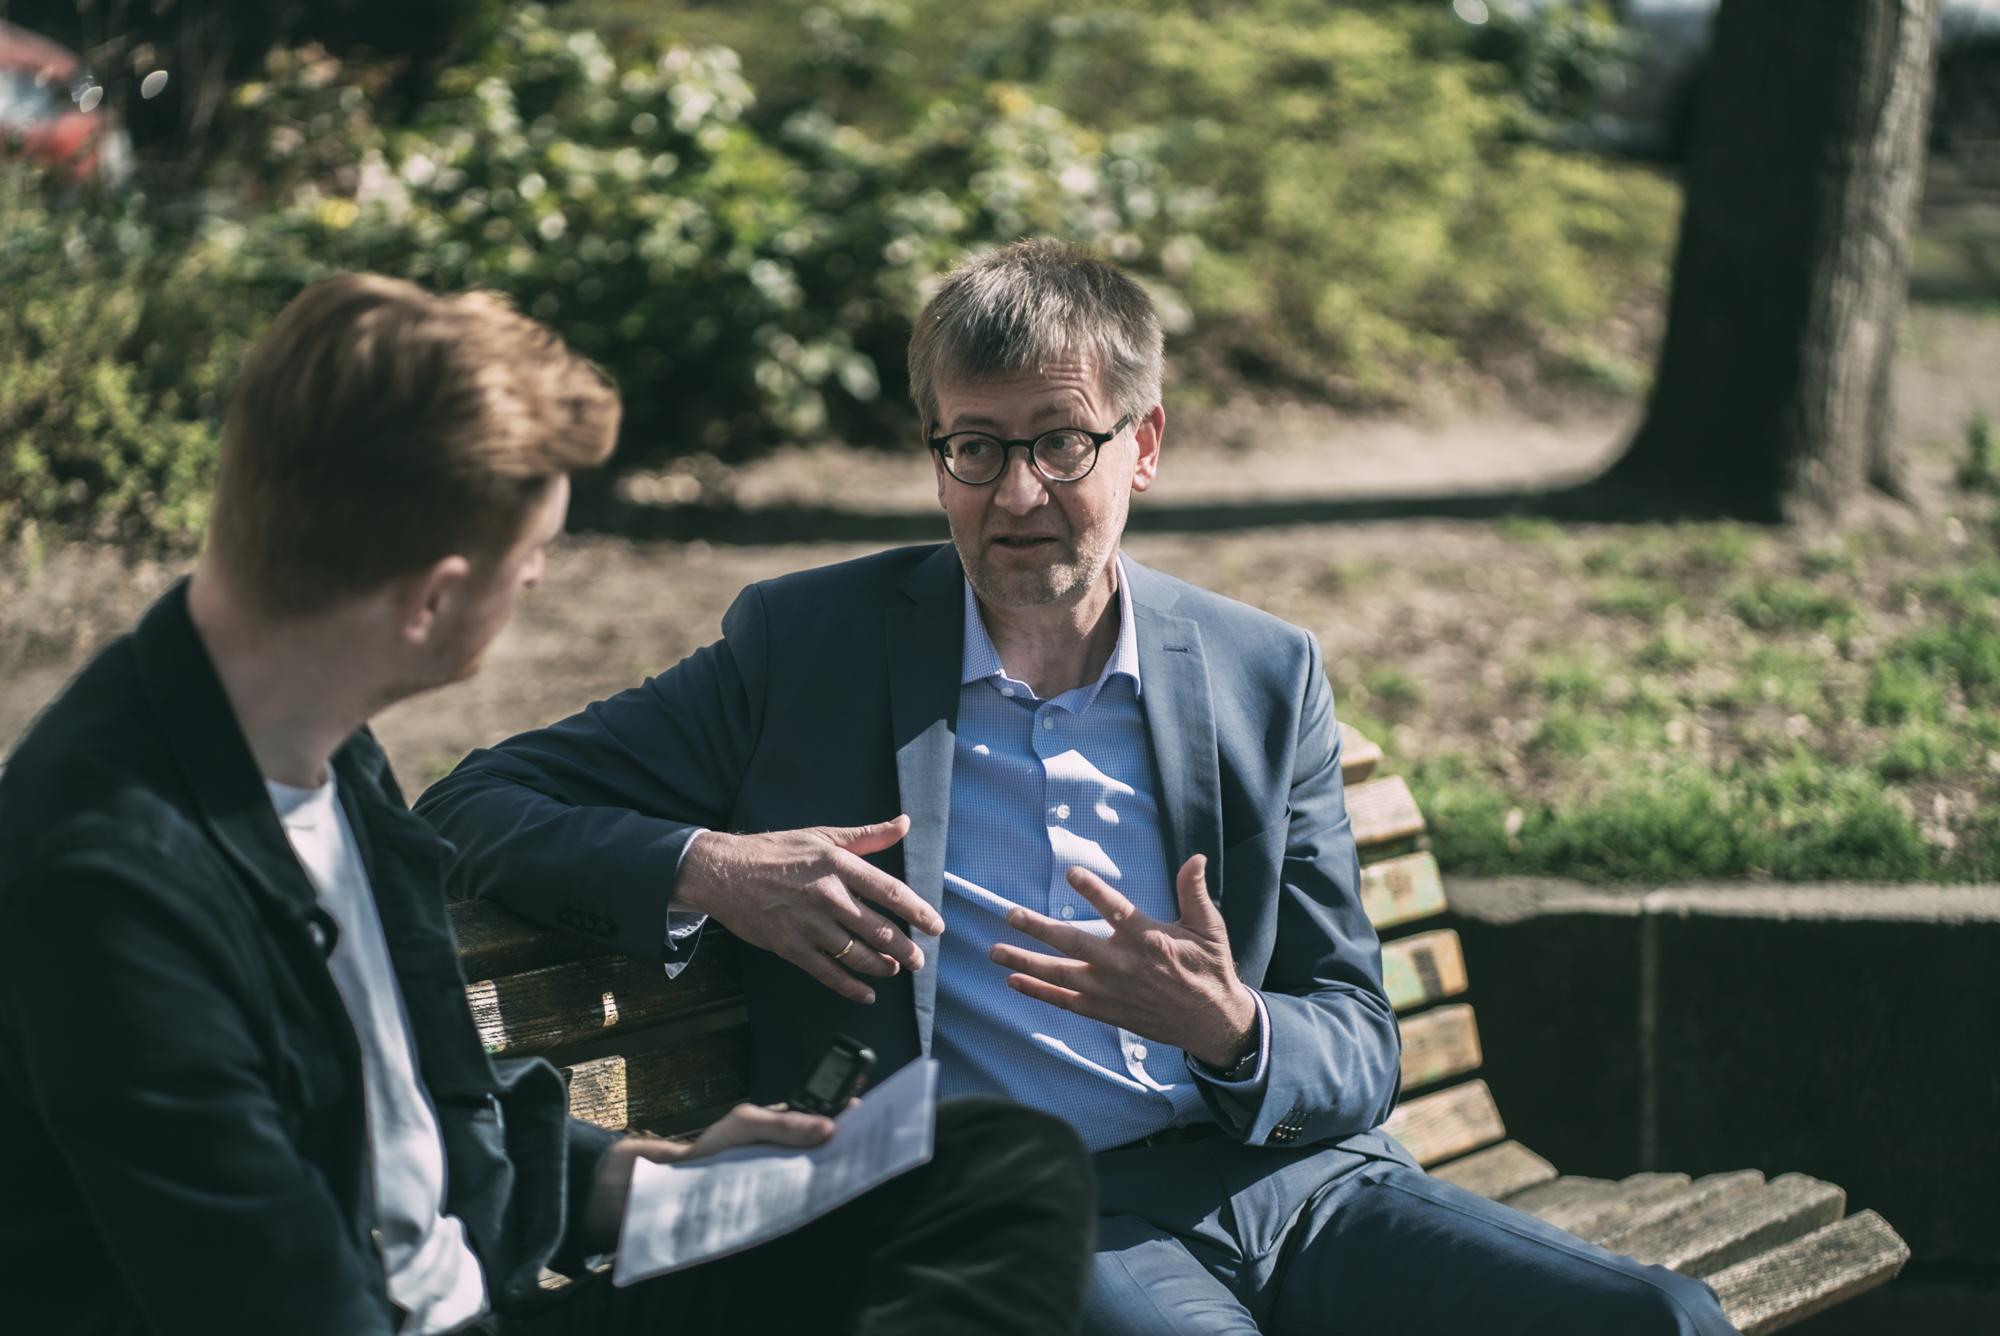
180 1086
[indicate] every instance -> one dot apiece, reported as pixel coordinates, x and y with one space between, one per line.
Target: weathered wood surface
1579 1204
1382 811
597 1092
1810 1274
1423 969
1712 1190
664 1089
1784 1209
1447 1124
1498 1171
1439 1043
558 1007
1358 756
1398 890
493 941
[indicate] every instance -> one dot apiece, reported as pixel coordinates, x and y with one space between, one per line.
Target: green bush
1343 198
115 359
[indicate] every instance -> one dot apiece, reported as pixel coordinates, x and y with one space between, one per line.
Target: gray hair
1026 305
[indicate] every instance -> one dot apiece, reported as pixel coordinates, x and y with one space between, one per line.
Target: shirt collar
980 660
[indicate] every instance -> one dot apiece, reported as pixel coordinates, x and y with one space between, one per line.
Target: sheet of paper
679 1215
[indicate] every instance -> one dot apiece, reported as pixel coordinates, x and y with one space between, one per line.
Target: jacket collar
207 742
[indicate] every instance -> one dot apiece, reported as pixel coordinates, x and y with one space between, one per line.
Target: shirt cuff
683 926
1250 1073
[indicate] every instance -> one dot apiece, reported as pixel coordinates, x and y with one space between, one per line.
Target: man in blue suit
1071 826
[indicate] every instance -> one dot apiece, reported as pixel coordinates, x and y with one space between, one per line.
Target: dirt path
1445 605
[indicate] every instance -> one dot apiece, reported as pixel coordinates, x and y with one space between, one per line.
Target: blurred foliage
114 359
1349 200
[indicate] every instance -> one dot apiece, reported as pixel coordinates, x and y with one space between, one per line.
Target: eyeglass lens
1062 456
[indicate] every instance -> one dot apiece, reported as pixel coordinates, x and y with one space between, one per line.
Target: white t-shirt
433 1274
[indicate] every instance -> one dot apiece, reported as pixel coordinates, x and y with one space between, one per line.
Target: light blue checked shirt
1039 787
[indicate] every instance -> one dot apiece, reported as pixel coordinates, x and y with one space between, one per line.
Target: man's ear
427 597
937 463
1147 433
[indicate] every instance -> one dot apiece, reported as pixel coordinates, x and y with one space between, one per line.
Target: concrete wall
1848 1032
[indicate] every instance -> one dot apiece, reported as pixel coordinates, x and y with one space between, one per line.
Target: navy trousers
1215 1237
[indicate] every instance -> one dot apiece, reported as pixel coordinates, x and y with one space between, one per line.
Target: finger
1112 907
850 953
752 1124
877 937
1067 938
1197 910
869 839
1028 986
1050 969
872 883
815 963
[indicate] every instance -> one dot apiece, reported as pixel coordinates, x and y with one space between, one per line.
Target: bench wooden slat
1576 1204
1441 1042
1498 1171
663 1089
493 941
1423 969
1784 1209
1447 1124
1358 756
1383 811
1810 1274
1398 890
1705 1192
562 1006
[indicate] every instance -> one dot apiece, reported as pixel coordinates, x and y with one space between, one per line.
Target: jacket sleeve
581 825
132 1041
1334 1066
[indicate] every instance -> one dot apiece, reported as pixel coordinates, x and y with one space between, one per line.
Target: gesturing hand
743 1125
1172 983
799 893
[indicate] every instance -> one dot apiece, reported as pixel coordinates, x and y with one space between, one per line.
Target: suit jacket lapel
926 642
1180 717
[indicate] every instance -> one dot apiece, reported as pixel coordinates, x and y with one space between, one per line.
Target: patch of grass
1922 750
1394 689
1801 818
1775 604
1569 677
1716 547
1534 532
1671 648
1630 596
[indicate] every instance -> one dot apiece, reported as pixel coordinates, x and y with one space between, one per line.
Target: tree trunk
1772 398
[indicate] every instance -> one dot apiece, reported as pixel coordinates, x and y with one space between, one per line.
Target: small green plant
1642 600
1979 471
1775 604
1671 648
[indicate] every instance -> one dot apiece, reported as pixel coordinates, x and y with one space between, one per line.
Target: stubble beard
1065 579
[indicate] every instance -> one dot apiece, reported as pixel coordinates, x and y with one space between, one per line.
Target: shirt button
1062 811
1069 911
1006 691
1139 1052
1048 721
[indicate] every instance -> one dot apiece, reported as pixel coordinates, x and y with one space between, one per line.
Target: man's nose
1020 488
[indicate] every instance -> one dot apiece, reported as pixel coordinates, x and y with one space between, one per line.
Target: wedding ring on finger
836 955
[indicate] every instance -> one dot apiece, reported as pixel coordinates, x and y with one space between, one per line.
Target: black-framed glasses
1067 454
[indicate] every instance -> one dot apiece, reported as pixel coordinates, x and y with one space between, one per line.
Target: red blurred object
51 109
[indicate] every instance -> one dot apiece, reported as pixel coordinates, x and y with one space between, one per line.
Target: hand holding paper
698 1208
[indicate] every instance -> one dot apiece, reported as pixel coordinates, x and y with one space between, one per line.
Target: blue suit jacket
831 700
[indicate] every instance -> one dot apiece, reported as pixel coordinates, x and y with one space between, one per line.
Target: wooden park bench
642 1051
